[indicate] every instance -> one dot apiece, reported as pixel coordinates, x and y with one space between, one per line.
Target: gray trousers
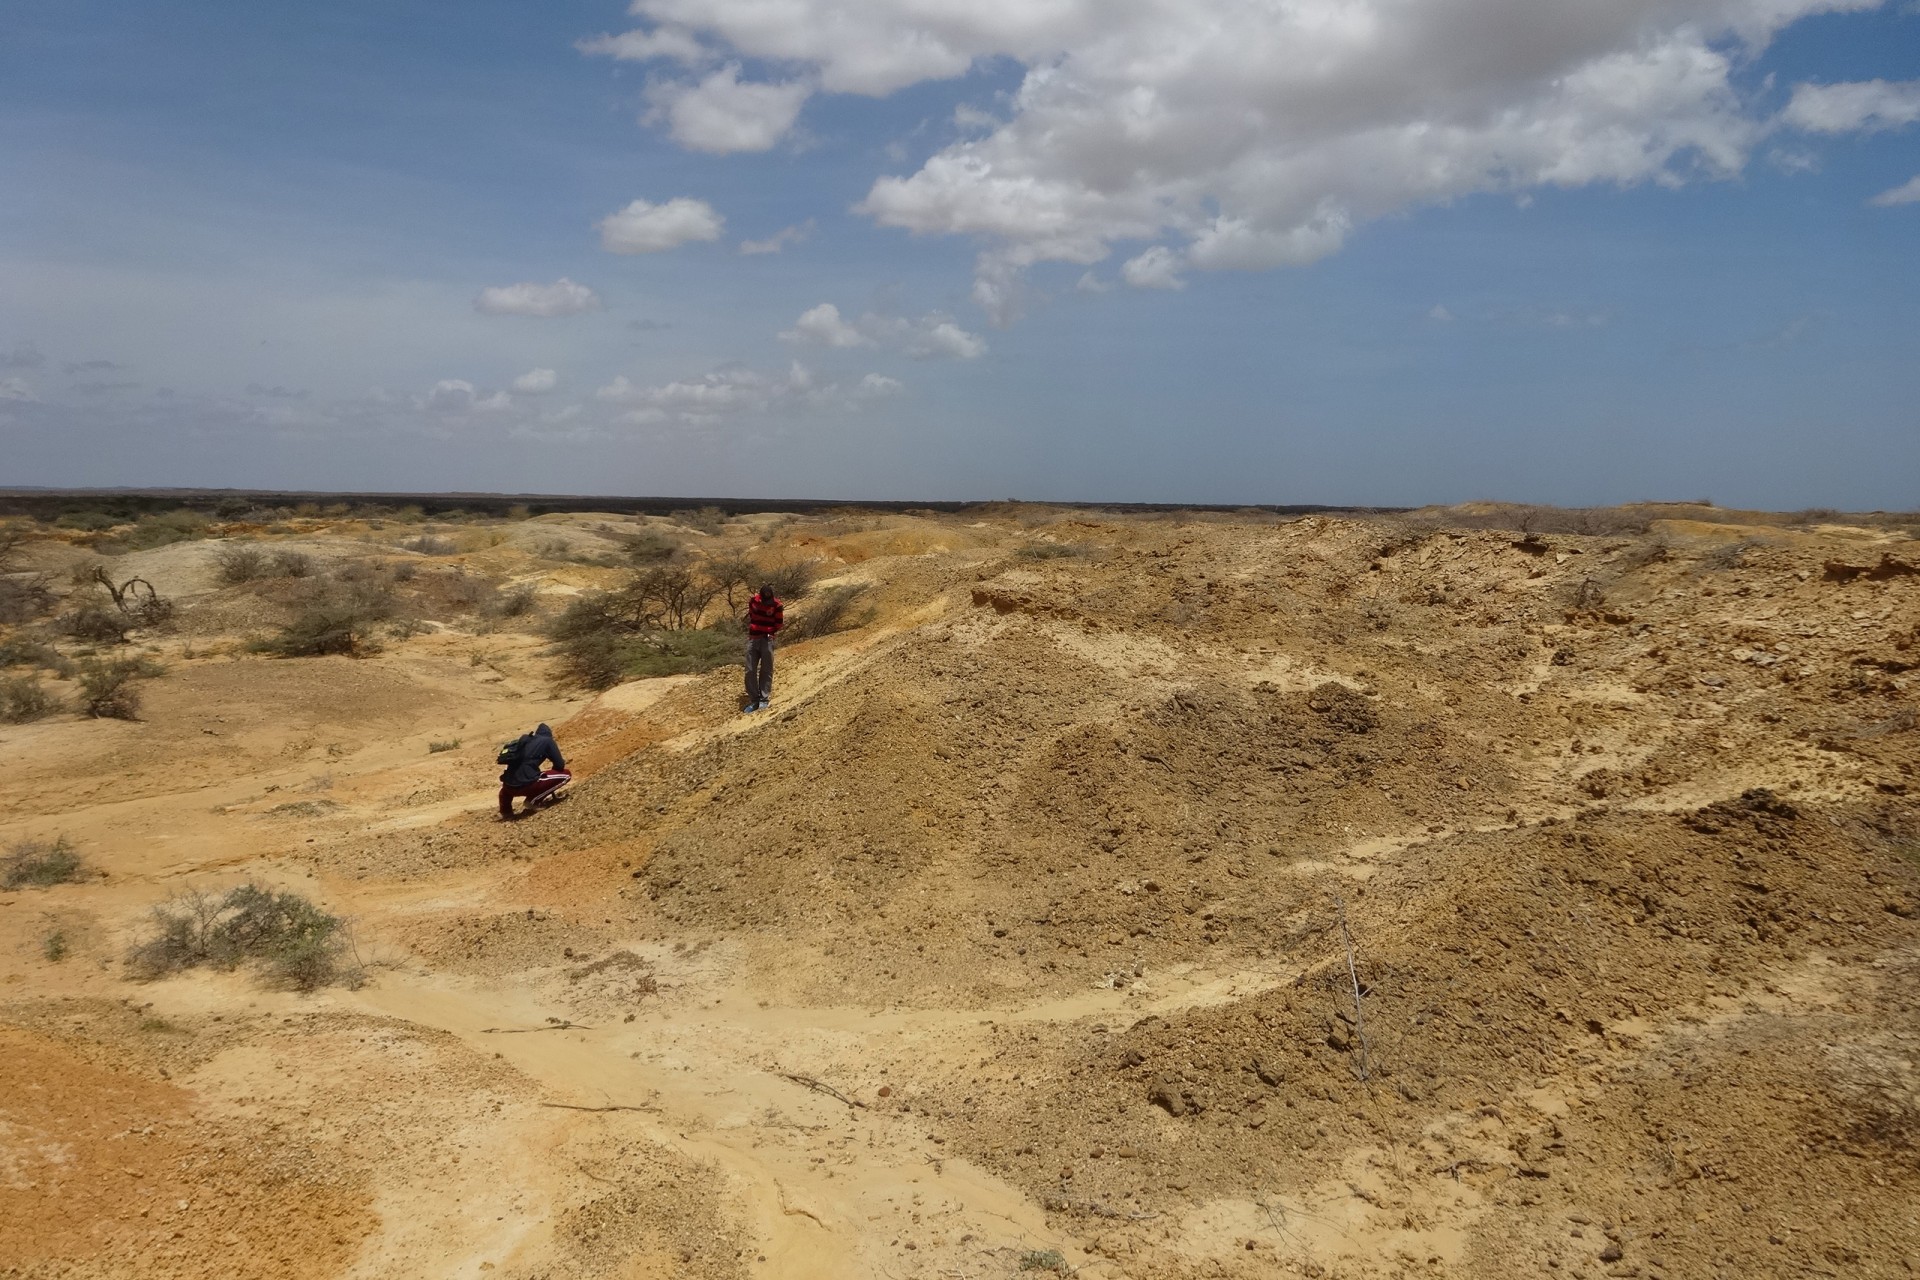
759 668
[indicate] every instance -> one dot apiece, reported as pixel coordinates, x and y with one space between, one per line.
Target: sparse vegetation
339 615
1044 1260
240 562
55 946
22 650
107 690
23 699
39 863
428 544
1050 551
435 748
158 530
295 943
649 548
838 608
23 595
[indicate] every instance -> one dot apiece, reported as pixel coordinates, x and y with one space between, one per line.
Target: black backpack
510 752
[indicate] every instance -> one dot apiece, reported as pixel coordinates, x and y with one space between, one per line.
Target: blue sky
1368 251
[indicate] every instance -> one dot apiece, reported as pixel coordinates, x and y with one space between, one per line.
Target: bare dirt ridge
1480 892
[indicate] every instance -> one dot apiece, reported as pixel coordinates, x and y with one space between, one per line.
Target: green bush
38 863
23 698
294 942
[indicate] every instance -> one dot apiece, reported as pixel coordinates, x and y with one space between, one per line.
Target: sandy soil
1130 897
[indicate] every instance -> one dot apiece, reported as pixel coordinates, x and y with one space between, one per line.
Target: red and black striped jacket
765 616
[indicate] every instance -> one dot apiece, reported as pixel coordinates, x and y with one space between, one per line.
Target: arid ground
1470 893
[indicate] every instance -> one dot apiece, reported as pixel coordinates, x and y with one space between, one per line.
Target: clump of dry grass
39 864
294 942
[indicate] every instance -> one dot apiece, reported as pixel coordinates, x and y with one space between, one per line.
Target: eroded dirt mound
1144 899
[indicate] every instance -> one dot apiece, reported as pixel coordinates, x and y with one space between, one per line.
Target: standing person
765 617
526 775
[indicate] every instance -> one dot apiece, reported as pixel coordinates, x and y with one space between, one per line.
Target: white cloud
933 336
822 326
735 392
723 114
1863 105
450 394
457 395
779 239
16 389
561 298
1251 135
1157 268
1907 192
643 46
536 382
1439 314
1793 160
642 227
1091 283
943 339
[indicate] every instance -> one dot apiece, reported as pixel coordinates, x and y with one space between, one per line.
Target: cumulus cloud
937 339
735 392
457 395
1157 268
561 298
779 239
1861 106
676 43
723 114
823 326
536 382
931 337
1907 192
1249 136
643 227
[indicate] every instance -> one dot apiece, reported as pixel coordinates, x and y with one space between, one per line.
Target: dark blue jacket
540 749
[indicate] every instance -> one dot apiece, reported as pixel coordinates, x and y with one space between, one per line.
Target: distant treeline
240 504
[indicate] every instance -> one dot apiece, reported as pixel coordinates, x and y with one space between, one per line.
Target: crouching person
526 774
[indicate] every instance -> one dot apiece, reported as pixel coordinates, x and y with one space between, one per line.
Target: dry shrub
20 650
24 698
838 608
240 563
107 691
95 623
294 942
428 544
336 616
23 595
39 863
